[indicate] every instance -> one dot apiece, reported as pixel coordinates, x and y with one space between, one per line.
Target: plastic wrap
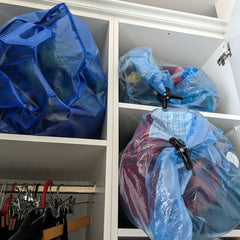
162 197
142 77
51 78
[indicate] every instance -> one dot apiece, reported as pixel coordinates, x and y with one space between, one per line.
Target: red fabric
175 73
139 157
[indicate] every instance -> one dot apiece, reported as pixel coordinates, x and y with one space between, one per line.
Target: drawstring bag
144 79
51 78
179 177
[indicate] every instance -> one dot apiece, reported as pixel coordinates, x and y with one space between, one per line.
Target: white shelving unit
117 26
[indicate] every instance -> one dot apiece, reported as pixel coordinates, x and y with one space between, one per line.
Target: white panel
8 11
115 155
96 207
203 7
224 79
36 157
109 160
224 8
233 36
105 61
174 47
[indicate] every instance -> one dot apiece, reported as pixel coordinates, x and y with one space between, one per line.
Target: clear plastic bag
142 77
162 197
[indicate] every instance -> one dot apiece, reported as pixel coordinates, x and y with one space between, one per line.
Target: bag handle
28 34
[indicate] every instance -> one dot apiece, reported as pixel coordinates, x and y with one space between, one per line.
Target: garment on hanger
43 217
34 224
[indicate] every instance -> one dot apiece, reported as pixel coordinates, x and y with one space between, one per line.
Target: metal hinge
224 56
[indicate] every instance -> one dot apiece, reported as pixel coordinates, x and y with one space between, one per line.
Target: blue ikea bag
51 79
165 195
143 78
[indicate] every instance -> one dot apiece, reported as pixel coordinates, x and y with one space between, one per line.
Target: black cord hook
182 150
167 96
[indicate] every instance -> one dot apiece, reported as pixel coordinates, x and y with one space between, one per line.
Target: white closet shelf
138 233
184 22
40 157
132 114
47 139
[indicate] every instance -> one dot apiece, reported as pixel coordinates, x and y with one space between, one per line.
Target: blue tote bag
51 79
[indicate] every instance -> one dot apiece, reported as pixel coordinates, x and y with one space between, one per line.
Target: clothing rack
90 189
34 218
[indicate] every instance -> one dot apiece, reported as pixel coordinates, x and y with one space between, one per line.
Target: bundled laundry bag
51 78
179 177
144 79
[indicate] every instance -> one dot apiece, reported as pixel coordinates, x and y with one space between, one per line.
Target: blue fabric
142 77
51 79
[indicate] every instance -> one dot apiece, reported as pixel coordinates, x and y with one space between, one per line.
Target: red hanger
48 183
8 201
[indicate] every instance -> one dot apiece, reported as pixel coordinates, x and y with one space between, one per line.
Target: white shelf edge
136 106
184 22
125 232
57 140
234 233
205 114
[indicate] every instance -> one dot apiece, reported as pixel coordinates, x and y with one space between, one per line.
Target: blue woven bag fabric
51 78
142 77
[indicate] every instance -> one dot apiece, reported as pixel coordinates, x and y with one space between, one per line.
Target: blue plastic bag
165 199
142 77
51 78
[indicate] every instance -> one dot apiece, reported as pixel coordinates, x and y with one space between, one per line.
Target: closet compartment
177 45
74 161
80 163
185 49
99 28
82 223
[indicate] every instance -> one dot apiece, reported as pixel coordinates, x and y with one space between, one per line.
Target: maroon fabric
139 157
